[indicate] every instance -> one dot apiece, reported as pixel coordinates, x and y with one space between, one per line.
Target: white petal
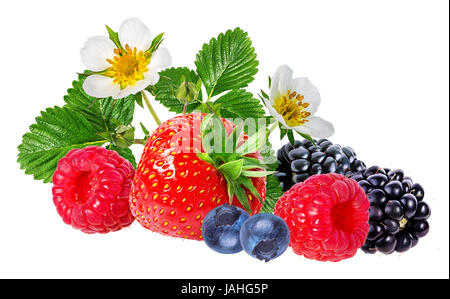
275 114
100 86
309 91
281 80
136 34
95 52
316 127
160 59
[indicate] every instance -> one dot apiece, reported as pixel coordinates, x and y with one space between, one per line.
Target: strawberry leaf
56 131
227 62
273 193
103 114
125 153
239 104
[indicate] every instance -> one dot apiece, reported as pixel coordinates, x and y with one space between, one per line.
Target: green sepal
114 36
156 42
232 170
290 136
242 197
308 137
247 183
256 174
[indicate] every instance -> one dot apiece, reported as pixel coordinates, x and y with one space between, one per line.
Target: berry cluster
298 162
229 229
398 214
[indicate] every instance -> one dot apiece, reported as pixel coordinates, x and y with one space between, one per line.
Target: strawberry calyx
229 154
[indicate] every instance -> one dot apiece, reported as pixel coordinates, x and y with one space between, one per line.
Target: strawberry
177 183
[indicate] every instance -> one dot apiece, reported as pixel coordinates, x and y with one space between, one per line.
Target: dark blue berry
264 236
386 244
409 203
394 189
221 228
394 210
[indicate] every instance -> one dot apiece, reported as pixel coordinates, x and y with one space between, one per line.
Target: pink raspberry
91 188
327 216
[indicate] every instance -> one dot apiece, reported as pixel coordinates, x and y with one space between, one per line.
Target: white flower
293 103
124 70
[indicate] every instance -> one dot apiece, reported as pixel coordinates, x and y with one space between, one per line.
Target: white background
381 67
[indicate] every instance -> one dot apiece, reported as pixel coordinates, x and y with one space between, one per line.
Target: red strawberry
174 188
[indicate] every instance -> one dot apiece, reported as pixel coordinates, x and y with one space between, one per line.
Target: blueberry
264 236
221 228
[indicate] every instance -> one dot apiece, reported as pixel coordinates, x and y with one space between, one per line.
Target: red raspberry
327 215
91 188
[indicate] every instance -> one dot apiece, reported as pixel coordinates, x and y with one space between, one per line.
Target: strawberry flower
125 63
293 103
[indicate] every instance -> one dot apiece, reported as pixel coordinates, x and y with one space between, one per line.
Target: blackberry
398 215
298 162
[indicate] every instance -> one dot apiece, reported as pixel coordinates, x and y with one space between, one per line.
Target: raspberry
327 216
91 188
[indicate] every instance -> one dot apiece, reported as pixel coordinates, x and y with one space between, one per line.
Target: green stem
139 141
272 128
150 108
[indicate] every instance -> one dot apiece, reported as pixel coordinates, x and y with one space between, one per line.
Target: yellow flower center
128 66
291 107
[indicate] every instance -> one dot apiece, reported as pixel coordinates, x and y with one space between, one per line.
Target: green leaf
138 98
232 170
102 114
239 104
170 81
273 193
56 132
125 153
114 36
227 62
